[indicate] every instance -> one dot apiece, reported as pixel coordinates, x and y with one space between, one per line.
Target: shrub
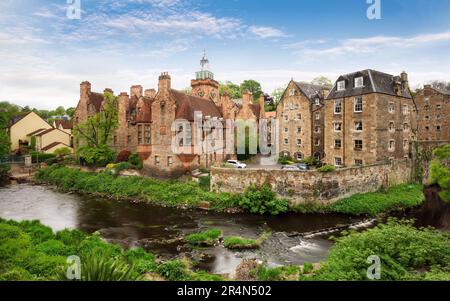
123 156
143 261
327 168
205 183
440 171
310 161
263 273
262 200
307 268
97 156
207 238
70 237
4 170
62 151
55 248
285 160
136 161
122 166
41 157
174 270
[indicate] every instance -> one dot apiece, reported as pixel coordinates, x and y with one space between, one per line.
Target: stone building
433 106
301 121
151 121
369 117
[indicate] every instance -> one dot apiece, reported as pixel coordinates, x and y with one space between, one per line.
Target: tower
204 85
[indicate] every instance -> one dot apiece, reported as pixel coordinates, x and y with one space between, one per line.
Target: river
160 229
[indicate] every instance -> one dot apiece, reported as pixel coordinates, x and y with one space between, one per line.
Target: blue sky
116 44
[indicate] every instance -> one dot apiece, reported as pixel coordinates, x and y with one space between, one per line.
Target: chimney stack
85 89
136 91
262 105
404 79
108 90
247 98
164 82
151 93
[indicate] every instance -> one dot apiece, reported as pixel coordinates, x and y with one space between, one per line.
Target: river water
160 230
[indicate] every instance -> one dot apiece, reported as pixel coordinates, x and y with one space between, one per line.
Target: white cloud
265 32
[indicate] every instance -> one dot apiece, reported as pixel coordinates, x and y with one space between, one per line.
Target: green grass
373 203
206 238
30 251
240 243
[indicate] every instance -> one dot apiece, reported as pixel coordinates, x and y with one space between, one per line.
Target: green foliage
284 273
232 89
235 242
252 86
307 268
174 270
323 81
135 161
205 183
395 198
62 151
143 261
97 156
207 238
285 160
310 161
169 193
403 250
41 157
327 168
440 171
277 94
262 200
4 170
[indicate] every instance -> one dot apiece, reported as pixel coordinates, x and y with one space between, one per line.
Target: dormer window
341 85
359 82
317 100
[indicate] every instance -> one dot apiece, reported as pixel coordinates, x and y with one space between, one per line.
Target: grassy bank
373 203
32 251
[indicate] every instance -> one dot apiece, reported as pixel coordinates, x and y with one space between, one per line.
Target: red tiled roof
187 105
66 124
144 110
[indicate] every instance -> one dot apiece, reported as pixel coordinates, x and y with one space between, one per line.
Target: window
286 141
358 162
405 144
341 85
286 117
438 117
391 126
427 128
405 127
438 107
438 128
317 100
299 142
317 116
359 82
139 134
169 161
157 160
358 126
391 107
426 107
317 142
358 104
299 116
427 118
317 129
337 127
291 92
337 143
338 106
299 130
147 134
358 145
299 156
338 161
286 130
128 123
405 109
391 145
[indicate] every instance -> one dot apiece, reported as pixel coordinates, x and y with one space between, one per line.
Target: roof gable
187 105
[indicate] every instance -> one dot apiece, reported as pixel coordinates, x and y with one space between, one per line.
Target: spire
204 72
204 62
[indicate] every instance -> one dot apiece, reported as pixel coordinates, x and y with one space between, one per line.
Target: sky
45 55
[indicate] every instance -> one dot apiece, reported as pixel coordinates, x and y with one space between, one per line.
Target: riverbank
257 200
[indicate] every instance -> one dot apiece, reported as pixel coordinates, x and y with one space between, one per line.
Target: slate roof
188 104
311 91
445 92
97 100
374 82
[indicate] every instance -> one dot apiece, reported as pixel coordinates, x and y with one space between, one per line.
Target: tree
252 86
277 94
60 111
441 85
322 81
97 130
5 143
232 89
70 112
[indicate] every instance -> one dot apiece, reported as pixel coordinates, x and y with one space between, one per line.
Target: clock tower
204 85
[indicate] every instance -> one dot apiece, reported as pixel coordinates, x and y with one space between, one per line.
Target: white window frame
299 142
336 161
340 127
336 102
317 116
341 85
359 82
317 101
357 104
291 92
391 108
391 148
356 126
405 109
340 143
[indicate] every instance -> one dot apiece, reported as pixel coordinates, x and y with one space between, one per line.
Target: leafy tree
5 143
277 94
97 130
440 171
322 81
252 86
60 111
70 112
232 89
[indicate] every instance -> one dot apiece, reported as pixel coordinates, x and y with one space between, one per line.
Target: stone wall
313 186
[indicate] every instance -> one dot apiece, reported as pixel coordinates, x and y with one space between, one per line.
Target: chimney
224 104
427 87
136 91
151 93
164 82
262 105
85 89
123 108
108 90
247 98
404 80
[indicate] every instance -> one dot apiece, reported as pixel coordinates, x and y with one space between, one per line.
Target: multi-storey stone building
433 107
151 122
369 117
301 121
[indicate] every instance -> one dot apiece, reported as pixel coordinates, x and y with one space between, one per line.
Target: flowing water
160 230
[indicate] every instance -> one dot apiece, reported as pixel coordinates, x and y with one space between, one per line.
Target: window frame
356 104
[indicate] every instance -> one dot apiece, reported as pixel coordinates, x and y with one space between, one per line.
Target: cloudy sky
45 55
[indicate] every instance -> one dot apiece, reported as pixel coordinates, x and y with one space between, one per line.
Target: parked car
302 166
290 167
237 164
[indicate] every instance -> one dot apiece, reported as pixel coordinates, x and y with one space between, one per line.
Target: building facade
369 118
433 110
301 121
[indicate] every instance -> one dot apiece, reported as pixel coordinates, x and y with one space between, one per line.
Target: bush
262 200
207 238
136 161
62 151
285 160
97 156
310 161
403 250
4 170
174 270
123 156
205 183
440 171
327 168
285 273
41 157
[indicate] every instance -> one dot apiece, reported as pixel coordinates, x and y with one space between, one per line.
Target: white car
237 164
290 167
